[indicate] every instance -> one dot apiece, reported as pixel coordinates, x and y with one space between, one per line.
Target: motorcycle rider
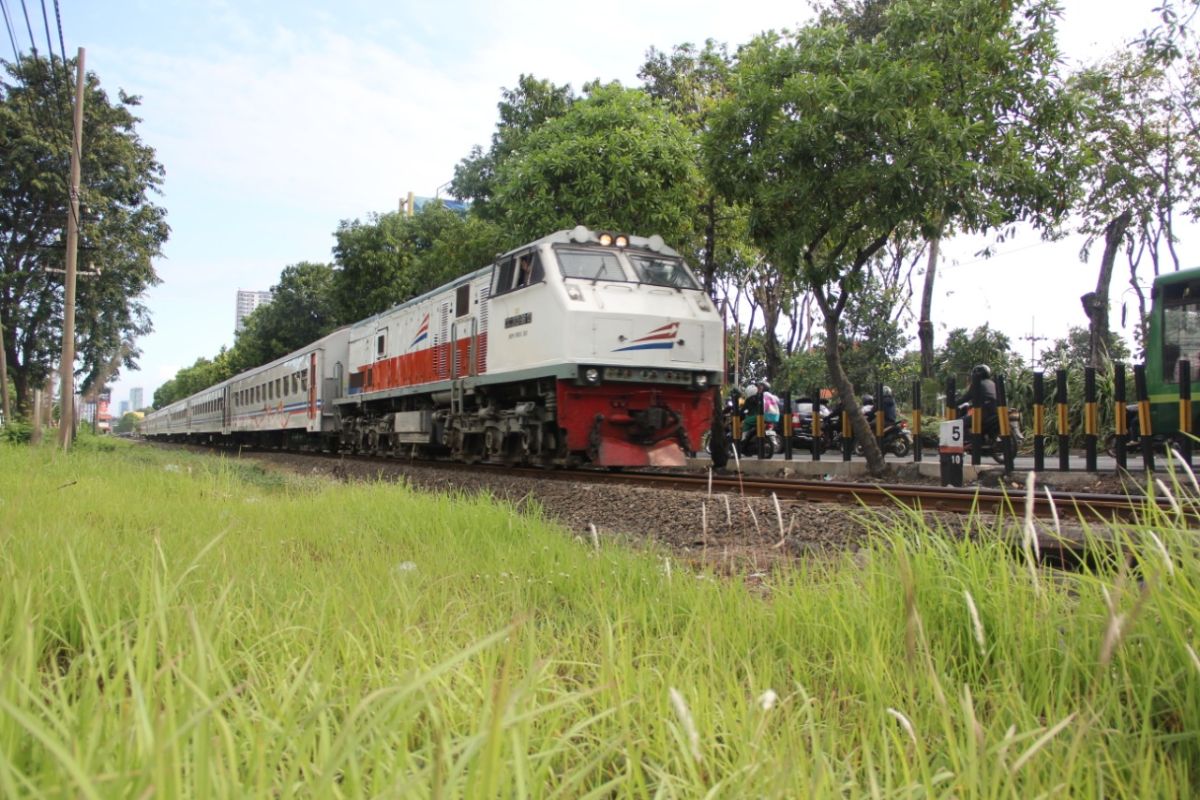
770 402
987 387
888 404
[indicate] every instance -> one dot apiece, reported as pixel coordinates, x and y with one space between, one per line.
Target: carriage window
304 380
592 265
380 345
663 272
1181 338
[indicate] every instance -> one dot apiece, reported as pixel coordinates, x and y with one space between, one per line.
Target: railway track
1075 506
1084 506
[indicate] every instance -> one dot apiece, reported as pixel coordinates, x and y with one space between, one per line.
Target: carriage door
313 377
226 408
462 335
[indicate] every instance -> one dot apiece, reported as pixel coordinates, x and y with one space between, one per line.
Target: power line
29 27
11 37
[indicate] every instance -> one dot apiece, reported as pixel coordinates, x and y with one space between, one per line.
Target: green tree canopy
522 110
391 258
121 230
300 312
616 160
949 114
963 350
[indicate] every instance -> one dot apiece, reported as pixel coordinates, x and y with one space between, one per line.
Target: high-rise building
247 301
122 408
135 398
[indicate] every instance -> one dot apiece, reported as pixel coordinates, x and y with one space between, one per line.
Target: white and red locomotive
580 346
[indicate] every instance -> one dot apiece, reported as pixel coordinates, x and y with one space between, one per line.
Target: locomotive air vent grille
485 291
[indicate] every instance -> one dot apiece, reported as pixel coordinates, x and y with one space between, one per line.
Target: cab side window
517 273
502 276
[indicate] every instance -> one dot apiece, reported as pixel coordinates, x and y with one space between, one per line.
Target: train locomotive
582 346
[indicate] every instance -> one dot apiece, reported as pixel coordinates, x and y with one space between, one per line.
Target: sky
275 120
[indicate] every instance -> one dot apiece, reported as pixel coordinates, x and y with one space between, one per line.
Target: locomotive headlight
622 240
606 239
701 380
703 304
591 375
574 292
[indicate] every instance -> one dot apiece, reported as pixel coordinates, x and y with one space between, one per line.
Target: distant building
135 399
247 301
122 408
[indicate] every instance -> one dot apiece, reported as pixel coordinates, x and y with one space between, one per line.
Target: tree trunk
1095 304
858 422
925 325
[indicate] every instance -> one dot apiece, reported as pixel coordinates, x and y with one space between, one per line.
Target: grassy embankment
181 626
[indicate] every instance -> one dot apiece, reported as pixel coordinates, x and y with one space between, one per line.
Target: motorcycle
897 439
748 445
992 444
1133 439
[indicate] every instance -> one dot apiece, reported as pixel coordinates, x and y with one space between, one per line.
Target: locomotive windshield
662 271
592 265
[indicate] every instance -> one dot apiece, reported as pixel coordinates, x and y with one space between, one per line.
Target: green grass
179 626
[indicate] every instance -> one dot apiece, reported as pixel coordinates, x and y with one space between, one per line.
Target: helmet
983 371
887 391
868 399
765 385
751 391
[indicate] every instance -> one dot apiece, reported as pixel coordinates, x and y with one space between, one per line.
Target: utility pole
66 428
1033 340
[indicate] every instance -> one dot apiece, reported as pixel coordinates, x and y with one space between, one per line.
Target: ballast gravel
730 533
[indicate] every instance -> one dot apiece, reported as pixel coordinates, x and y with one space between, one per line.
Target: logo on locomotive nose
661 338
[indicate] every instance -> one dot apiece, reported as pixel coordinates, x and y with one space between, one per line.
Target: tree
984 345
121 230
189 380
615 160
391 258
1142 142
522 110
301 311
837 142
1075 351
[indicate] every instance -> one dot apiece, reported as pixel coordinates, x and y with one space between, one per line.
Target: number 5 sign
950 437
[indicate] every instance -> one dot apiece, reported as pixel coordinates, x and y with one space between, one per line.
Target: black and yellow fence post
847 435
1039 421
817 433
1064 421
785 419
1006 440
1145 426
1185 411
1120 415
760 430
951 403
735 425
916 420
1091 419
879 414
976 419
